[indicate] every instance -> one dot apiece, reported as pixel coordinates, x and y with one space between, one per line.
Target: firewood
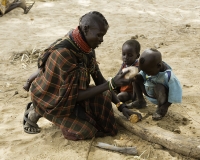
188 146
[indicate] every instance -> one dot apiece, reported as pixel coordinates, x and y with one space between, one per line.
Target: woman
62 93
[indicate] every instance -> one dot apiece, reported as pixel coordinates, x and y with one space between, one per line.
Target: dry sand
173 26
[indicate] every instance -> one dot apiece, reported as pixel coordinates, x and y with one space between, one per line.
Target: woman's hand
119 79
127 113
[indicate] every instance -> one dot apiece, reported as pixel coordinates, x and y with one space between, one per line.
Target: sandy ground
173 26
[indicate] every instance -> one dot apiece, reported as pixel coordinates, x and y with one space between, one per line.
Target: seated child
34 75
130 55
41 63
157 82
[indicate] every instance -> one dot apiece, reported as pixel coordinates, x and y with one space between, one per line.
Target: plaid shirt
55 89
54 92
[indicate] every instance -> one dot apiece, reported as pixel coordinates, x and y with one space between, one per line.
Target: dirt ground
173 27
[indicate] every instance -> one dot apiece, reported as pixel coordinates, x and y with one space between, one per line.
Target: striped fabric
55 90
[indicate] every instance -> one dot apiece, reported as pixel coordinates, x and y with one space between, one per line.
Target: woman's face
94 34
129 55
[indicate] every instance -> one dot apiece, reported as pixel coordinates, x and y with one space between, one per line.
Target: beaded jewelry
79 41
111 84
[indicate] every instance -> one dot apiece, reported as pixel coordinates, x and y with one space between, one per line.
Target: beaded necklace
79 41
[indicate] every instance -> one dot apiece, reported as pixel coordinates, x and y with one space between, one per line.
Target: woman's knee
69 136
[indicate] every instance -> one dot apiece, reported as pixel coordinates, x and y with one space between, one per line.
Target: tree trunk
181 144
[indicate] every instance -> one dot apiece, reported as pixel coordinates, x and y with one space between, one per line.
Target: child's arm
138 78
30 80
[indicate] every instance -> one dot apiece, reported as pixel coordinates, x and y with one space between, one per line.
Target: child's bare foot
26 86
160 113
137 104
156 116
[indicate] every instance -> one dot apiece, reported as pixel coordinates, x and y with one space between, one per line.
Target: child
158 83
41 63
27 85
130 55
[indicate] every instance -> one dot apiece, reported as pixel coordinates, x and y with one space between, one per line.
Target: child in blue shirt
157 82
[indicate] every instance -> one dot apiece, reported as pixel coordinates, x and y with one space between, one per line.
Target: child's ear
138 55
159 65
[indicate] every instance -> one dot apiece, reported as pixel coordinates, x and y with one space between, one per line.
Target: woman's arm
92 91
99 79
101 86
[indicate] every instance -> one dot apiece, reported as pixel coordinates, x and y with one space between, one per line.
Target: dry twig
87 154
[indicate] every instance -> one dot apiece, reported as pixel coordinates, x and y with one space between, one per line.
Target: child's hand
132 72
137 77
132 79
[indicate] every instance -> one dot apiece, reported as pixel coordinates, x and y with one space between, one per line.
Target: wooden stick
124 150
188 146
87 154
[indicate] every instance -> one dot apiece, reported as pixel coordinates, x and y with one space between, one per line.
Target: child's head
130 51
151 61
94 26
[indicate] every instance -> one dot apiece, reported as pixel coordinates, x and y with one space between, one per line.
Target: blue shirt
166 78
